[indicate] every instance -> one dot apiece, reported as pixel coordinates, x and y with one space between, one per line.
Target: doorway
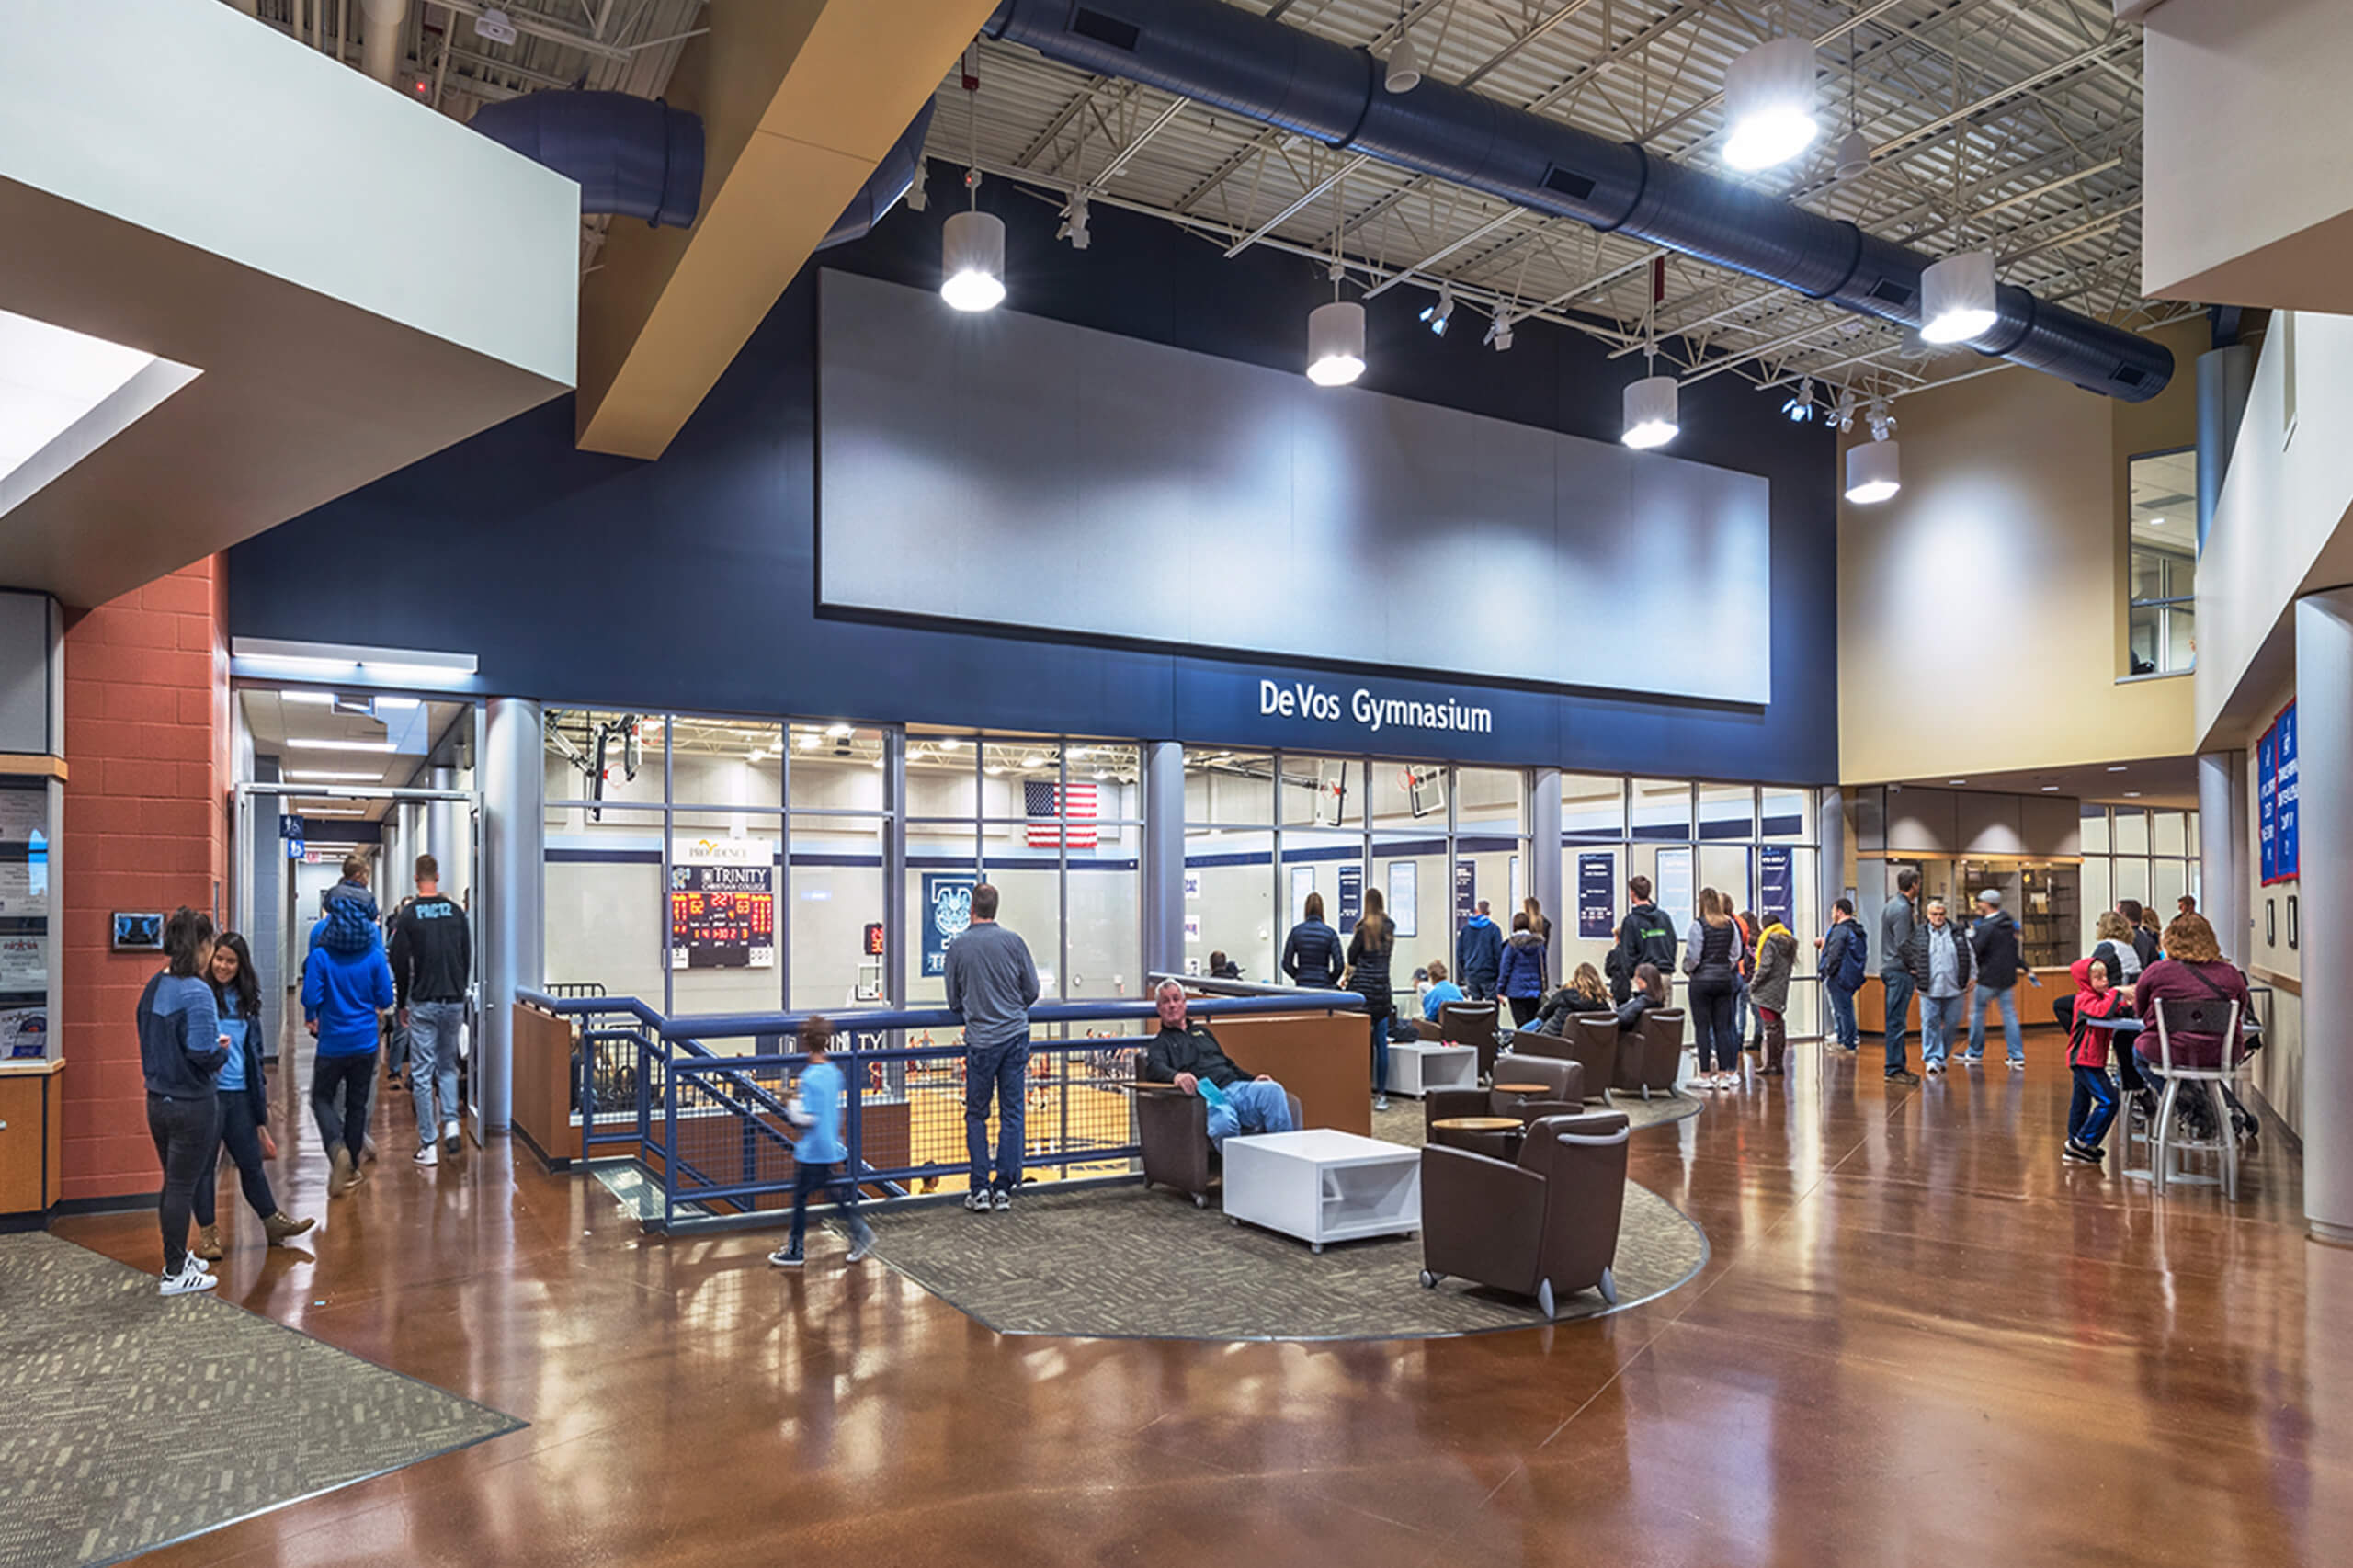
324 776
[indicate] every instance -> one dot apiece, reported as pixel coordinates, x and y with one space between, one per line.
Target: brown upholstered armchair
1472 1024
1591 1042
1650 1055
1174 1127
1563 1095
1545 1226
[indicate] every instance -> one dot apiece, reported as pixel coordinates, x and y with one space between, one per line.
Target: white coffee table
1324 1186
1416 1069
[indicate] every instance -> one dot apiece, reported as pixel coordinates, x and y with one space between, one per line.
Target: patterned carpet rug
128 1420
1134 1263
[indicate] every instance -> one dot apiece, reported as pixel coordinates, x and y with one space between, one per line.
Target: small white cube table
1417 1068
1324 1186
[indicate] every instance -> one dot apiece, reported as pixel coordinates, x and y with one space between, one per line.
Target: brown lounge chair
1650 1055
1591 1042
1545 1225
1174 1127
1563 1095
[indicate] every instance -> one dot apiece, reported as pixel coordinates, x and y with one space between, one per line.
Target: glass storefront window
1662 811
1727 811
2130 828
596 755
1593 809
1229 789
2165 832
2095 830
836 767
833 891
1322 792
1788 816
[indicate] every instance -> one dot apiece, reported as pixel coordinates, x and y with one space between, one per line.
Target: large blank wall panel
1012 471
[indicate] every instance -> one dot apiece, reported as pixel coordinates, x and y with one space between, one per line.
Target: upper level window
2163 583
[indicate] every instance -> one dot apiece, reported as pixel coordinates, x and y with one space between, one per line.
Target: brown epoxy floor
1920 1338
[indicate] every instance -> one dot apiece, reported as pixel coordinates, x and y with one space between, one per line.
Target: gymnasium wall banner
1351 898
723 903
1776 884
948 915
1596 893
1466 891
2275 794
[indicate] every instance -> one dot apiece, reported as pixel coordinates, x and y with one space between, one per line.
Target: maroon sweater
2171 980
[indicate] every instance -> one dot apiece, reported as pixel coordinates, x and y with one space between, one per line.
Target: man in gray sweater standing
991 983
1897 921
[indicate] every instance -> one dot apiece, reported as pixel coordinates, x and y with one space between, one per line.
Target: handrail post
669 1147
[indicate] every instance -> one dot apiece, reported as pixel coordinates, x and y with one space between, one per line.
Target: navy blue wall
689 582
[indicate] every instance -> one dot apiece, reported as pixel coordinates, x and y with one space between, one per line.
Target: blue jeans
2093 1107
1381 1029
2007 995
433 1064
1003 1070
1940 1021
1249 1107
808 1180
1740 1014
1711 1027
1842 1016
1899 1008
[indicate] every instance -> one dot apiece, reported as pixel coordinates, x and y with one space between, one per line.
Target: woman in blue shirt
245 1102
180 1049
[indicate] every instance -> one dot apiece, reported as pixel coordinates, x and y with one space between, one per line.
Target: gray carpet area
128 1420
1130 1263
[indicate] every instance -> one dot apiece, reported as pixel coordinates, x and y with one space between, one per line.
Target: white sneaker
2018 1064
202 1266
450 1135
428 1155
1936 1069
190 1279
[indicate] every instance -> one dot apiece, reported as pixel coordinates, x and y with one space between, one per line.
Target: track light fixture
1882 418
1800 407
1768 104
1436 316
1843 409
1956 297
1499 333
1074 227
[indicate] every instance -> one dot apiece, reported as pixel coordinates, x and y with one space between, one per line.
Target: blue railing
713 1125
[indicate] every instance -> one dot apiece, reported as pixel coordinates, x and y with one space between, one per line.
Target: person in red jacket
2094 1106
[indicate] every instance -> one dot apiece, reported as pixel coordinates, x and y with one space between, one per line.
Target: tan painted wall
1981 612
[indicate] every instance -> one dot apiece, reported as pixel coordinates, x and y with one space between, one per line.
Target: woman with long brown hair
1711 952
1368 948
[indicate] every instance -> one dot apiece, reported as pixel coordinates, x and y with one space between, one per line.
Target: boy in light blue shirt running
818 1153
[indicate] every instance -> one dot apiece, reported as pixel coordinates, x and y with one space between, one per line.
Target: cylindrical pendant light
1403 72
1871 472
1650 412
1768 104
972 261
1956 297
1336 343
1854 157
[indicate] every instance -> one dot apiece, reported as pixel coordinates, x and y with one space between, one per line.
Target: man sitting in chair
1188 1056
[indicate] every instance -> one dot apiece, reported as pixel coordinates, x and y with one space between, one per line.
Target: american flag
1049 828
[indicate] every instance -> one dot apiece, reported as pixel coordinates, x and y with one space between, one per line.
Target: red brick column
147 739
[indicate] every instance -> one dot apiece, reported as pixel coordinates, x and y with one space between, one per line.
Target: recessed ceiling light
2131 794
311 698
334 778
2047 789
2117 767
340 746
1956 780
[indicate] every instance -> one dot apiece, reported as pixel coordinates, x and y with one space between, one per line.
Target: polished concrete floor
1920 1339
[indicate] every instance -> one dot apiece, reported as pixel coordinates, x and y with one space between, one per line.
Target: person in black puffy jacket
1312 952
1519 978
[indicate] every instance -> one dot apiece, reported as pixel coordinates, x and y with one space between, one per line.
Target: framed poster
1673 884
1302 883
23 1033
1596 895
1466 891
1351 898
947 915
1776 882
723 903
1192 884
1404 898
2288 853
2266 834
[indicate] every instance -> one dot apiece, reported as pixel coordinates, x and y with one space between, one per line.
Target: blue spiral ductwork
632 158
1243 63
900 167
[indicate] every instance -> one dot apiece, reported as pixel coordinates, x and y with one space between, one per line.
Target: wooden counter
542 1107
2034 1006
1324 1058
32 1144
